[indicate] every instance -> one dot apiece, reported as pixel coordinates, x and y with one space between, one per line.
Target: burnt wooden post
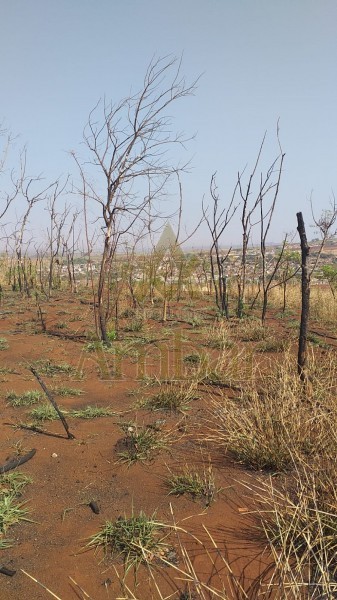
305 305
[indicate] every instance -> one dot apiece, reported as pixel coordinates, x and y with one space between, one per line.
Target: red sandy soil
51 547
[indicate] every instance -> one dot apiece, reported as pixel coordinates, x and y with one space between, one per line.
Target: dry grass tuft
273 424
299 519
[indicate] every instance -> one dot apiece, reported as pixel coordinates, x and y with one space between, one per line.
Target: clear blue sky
261 60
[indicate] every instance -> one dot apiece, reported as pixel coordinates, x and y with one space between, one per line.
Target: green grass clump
13 483
112 335
271 344
294 324
61 325
75 318
67 391
141 443
98 346
136 325
192 359
7 371
3 344
26 399
91 412
195 322
195 484
51 369
44 412
93 346
137 539
128 313
170 399
11 511
250 330
317 341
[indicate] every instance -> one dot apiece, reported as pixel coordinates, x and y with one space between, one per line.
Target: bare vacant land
196 465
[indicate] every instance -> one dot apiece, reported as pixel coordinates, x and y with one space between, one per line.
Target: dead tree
254 200
128 146
288 269
247 211
70 245
305 295
57 223
217 224
31 197
325 225
269 186
10 184
40 258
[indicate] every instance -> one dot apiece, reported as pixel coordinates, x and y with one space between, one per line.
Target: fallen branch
16 462
8 572
76 337
36 430
53 402
329 337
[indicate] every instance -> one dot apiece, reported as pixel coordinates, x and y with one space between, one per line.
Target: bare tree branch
129 145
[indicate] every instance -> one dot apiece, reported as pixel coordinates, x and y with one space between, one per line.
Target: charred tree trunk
302 341
224 294
103 300
242 276
264 307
